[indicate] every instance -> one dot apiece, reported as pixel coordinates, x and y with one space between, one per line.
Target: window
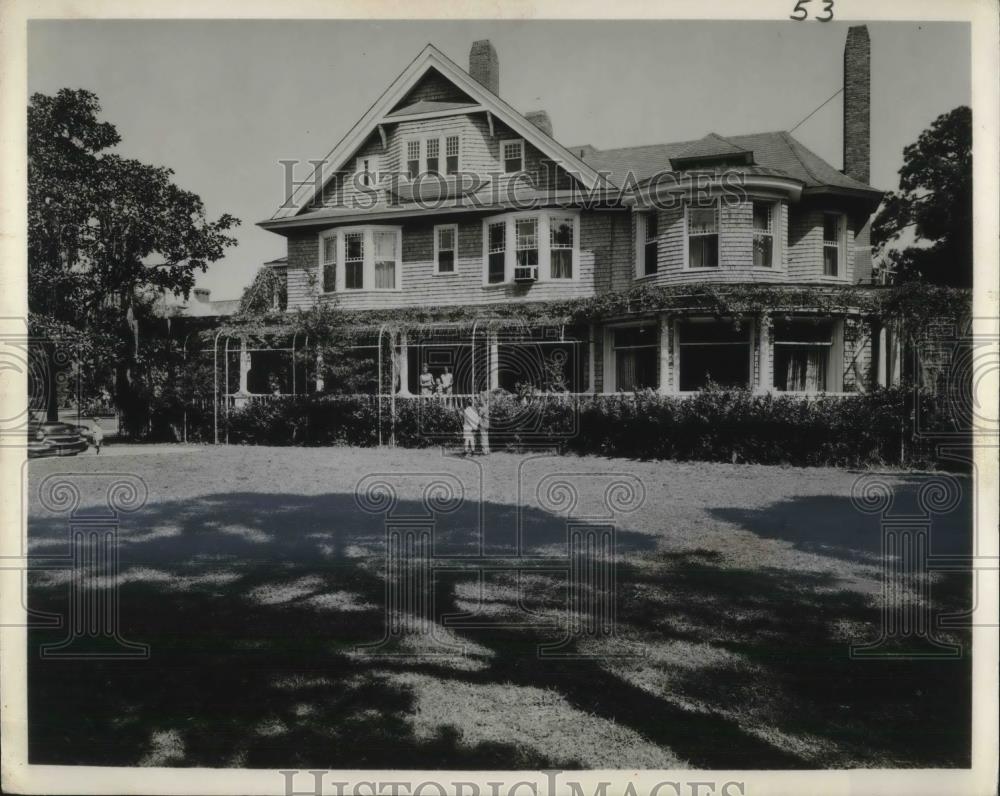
354 260
526 247
328 256
412 159
445 243
703 237
803 355
451 154
561 248
512 153
497 251
635 351
433 156
650 244
527 241
713 351
385 260
763 234
833 233
366 170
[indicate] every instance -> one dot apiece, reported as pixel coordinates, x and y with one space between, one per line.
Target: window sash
451 154
413 159
433 155
526 245
561 231
833 233
763 234
446 243
497 251
703 237
513 156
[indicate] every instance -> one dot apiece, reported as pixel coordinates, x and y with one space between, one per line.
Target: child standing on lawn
470 424
98 434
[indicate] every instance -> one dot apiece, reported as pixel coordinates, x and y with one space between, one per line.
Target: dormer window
451 154
424 156
703 236
512 153
433 156
412 159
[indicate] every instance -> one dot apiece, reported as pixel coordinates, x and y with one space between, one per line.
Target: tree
107 236
933 204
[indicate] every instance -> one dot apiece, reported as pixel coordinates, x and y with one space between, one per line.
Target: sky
222 102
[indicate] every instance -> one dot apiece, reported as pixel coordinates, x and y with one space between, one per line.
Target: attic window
513 156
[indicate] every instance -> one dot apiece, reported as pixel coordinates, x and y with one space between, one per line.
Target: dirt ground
259 579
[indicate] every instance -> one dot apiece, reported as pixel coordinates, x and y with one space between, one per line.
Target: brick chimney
541 120
484 66
857 104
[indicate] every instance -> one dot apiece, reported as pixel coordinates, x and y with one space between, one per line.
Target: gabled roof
776 152
432 58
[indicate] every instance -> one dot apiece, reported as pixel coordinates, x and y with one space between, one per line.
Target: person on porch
446 381
426 381
470 424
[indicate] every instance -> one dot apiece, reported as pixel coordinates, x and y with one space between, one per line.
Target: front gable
431 89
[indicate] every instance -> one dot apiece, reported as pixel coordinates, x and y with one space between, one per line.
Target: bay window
804 355
713 352
702 236
833 235
361 258
445 244
763 234
634 353
525 247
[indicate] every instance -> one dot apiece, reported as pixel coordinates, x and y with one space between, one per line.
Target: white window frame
544 218
834 365
841 245
368 268
444 152
407 143
687 238
372 180
330 234
454 266
422 144
573 248
504 143
775 233
641 222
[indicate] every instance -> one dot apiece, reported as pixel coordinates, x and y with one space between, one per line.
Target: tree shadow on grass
254 605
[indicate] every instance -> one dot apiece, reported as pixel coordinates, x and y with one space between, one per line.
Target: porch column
666 382
895 374
591 358
404 365
765 367
494 359
882 362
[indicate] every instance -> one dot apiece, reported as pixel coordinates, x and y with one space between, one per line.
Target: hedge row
714 425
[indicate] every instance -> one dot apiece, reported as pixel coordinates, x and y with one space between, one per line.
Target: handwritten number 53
799 12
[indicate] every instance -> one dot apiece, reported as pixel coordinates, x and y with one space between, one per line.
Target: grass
259 585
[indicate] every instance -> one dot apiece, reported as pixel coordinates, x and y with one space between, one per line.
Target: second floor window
360 258
445 243
512 155
451 154
650 244
561 248
497 252
354 261
833 233
527 241
703 237
763 234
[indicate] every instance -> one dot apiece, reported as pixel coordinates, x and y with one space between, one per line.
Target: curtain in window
626 376
806 371
385 260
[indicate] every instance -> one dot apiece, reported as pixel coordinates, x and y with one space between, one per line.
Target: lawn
259 585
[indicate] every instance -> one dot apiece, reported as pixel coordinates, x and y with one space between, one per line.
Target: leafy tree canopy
933 204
